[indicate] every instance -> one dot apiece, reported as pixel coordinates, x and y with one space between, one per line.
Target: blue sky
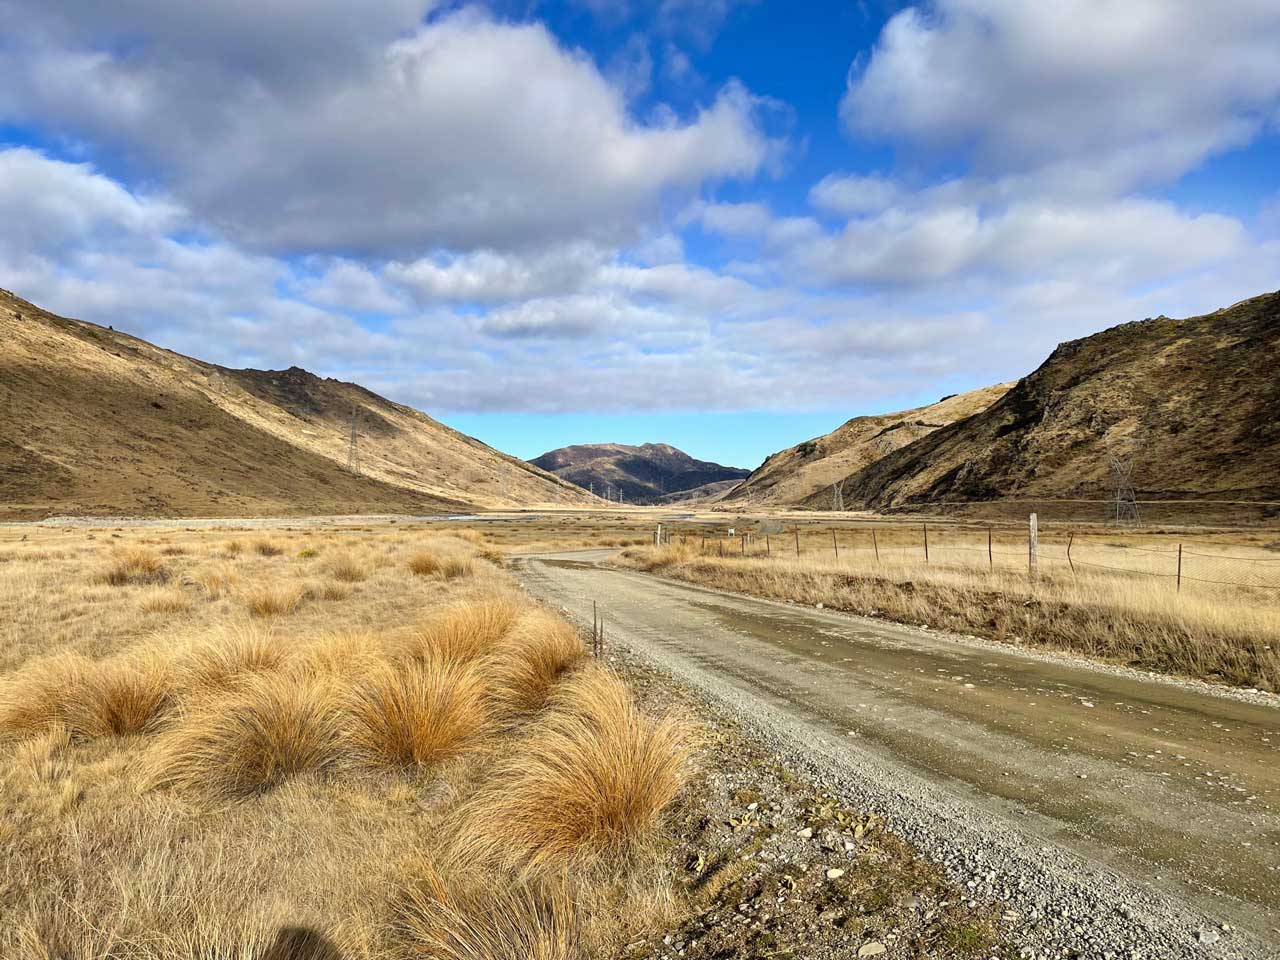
725 225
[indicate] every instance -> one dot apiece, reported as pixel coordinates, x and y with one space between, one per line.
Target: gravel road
1119 815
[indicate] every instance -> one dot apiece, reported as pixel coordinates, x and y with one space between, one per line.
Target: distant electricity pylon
837 497
1124 502
353 451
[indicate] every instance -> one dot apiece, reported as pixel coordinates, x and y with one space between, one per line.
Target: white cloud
1104 94
461 133
853 195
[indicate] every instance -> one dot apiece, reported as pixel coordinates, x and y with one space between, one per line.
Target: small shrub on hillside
266 729
134 565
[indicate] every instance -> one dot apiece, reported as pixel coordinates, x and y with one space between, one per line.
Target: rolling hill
643 474
806 472
1197 401
99 422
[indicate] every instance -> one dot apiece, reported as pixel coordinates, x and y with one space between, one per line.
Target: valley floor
1115 814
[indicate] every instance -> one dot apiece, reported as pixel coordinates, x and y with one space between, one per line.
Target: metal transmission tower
353 451
837 496
1124 502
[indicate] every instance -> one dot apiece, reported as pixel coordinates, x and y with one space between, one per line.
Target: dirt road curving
1156 803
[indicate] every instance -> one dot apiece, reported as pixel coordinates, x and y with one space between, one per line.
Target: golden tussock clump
133 565
265 548
215 581
344 653
227 657
34 698
269 727
346 567
537 651
166 600
474 918
125 695
233 548
415 711
591 780
424 563
464 630
274 600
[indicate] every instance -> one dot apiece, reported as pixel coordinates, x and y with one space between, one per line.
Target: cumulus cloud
384 135
1101 94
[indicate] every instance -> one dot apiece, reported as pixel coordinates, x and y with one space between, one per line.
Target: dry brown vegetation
1130 617
405 765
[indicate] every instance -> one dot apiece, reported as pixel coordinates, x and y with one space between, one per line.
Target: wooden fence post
797 532
874 545
926 543
768 550
1071 537
1033 543
1179 568
835 546
744 544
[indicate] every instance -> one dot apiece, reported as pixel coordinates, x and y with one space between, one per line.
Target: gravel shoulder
1113 815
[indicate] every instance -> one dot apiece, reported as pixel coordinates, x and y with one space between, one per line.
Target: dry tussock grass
461 916
133 565
415 712
464 630
215 581
274 600
588 782
266 548
165 600
538 649
346 567
222 659
235 758
268 727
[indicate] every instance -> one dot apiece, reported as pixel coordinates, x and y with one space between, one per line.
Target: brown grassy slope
644 473
1200 396
808 469
97 421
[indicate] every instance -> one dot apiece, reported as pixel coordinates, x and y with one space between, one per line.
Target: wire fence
1183 564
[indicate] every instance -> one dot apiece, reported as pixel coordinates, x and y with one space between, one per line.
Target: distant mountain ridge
99 422
1196 402
642 474
806 472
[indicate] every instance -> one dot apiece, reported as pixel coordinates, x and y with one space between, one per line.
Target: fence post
797 532
926 542
721 542
1179 568
835 546
1070 539
1033 543
657 536
744 544
874 545
991 557
768 550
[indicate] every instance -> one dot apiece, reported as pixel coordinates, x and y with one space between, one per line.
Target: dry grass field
1117 600
316 744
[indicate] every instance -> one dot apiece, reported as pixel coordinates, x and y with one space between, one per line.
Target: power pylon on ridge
837 497
353 451
1124 501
